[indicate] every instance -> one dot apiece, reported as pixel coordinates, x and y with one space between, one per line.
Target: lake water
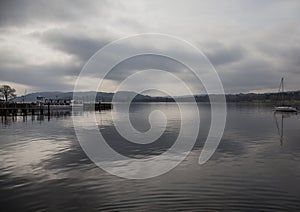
256 165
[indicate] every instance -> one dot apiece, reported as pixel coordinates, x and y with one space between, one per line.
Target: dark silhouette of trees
8 92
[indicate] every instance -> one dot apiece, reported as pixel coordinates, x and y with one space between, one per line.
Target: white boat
54 104
76 103
284 108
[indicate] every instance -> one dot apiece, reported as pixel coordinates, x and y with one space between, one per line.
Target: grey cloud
81 46
146 62
250 75
143 62
49 77
20 13
288 55
252 60
8 57
221 55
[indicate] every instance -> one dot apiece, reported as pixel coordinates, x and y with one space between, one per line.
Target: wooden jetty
24 109
15 109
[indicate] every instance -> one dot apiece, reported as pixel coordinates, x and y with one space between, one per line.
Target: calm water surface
256 166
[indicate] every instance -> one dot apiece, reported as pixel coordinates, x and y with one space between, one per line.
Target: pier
24 109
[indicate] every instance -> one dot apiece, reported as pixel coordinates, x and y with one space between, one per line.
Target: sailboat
284 108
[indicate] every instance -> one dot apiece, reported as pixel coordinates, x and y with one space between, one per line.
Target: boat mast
281 90
282 85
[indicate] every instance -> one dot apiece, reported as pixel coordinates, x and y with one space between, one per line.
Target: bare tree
8 92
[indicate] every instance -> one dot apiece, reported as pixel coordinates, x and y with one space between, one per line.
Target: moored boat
76 103
283 107
286 109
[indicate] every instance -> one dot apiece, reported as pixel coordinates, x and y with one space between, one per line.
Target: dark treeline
292 96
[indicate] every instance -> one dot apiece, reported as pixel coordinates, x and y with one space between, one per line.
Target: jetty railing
24 109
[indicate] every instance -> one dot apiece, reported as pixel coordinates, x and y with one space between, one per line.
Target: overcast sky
252 44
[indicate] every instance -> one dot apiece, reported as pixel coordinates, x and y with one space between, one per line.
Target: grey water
256 165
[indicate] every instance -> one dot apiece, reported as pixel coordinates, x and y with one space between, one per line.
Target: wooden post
41 110
48 109
32 110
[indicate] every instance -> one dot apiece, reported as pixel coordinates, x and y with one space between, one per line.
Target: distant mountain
85 96
291 96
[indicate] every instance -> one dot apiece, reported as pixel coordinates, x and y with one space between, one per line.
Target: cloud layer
252 44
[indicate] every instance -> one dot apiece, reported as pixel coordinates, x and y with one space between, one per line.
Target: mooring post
41 110
32 110
26 110
13 109
48 109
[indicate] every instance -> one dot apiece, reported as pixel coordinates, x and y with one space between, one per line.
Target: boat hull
285 109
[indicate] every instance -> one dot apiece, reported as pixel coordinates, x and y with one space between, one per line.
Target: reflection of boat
284 108
57 107
280 125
